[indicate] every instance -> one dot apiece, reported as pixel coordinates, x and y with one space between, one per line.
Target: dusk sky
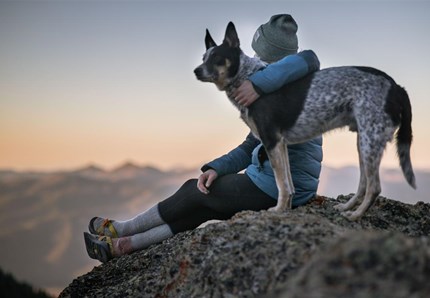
103 82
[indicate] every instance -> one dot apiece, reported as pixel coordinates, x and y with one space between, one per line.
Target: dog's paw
276 209
351 215
341 207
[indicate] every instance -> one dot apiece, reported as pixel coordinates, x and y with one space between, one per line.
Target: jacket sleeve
236 160
284 71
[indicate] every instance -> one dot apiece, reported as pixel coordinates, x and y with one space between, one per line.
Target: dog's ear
209 40
231 38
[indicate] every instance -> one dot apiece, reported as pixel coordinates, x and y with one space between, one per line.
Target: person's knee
190 184
189 188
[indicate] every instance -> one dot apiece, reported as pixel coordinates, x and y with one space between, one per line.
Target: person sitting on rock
221 191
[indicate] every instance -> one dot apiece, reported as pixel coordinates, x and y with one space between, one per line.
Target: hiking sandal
107 223
99 247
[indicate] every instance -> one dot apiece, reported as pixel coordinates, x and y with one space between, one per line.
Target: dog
364 99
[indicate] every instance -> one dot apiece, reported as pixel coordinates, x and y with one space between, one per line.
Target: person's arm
233 162
236 160
284 71
276 75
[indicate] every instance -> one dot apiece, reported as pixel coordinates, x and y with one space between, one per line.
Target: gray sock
140 223
126 245
152 236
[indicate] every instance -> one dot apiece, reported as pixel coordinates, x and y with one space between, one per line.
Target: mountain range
43 215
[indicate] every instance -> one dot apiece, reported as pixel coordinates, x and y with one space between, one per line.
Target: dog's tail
404 135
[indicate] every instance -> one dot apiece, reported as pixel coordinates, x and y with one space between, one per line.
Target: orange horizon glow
189 157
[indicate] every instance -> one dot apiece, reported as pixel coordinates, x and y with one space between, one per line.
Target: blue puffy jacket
305 159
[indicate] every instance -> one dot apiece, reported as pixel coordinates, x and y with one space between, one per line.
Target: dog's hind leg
372 192
372 148
358 196
279 160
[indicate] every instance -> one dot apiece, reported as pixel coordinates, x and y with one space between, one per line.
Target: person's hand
205 180
245 95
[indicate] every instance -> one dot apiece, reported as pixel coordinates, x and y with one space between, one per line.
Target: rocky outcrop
366 264
311 251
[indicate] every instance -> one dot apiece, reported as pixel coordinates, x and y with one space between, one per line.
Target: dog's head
220 63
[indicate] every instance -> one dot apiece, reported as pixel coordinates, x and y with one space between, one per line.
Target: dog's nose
198 72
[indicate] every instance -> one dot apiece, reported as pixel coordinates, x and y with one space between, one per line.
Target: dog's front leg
279 160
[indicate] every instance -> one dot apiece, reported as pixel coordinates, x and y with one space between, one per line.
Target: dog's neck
247 67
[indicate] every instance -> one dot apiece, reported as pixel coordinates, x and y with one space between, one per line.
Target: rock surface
311 251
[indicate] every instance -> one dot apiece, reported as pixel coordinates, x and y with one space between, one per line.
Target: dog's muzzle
201 75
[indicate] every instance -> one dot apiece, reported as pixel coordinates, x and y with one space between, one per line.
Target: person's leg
150 218
138 224
188 208
229 194
203 215
129 244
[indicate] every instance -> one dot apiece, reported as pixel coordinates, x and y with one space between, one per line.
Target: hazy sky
108 81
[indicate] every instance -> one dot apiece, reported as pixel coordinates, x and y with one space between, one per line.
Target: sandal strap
108 240
107 223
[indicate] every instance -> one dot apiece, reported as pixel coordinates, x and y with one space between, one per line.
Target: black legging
229 194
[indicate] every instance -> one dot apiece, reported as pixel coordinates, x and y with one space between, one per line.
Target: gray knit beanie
276 39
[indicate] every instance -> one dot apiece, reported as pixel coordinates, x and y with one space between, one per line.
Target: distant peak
127 166
91 168
132 168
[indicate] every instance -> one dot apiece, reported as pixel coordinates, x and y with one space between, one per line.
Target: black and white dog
365 99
